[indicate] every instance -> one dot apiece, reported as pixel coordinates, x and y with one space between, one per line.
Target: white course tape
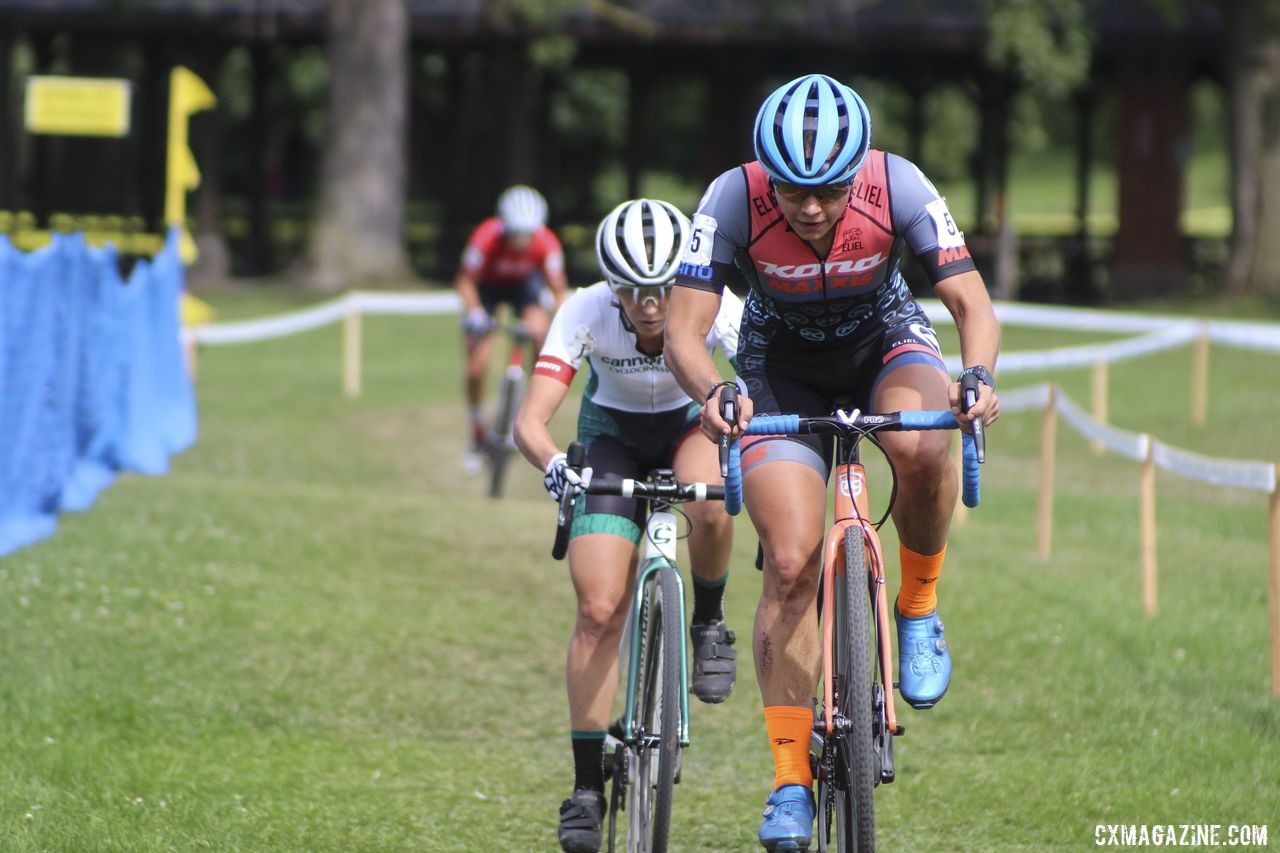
272 327
1022 399
1128 444
1241 473
1237 473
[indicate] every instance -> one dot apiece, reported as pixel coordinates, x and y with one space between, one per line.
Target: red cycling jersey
489 259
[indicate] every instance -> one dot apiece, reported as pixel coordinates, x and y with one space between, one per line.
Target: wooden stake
1099 402
351 354
1275 587
1200 378
1044 502
1147 512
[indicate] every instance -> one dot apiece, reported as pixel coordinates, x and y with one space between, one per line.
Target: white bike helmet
522 208
639 243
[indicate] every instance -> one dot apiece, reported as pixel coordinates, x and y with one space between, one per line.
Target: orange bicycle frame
853 509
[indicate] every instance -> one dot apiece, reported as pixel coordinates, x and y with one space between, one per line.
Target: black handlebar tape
575 457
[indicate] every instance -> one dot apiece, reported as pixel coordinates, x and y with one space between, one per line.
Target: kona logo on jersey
794 271
694 271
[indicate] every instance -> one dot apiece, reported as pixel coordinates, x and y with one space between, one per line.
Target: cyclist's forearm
965 297
530 429
467 292
684 349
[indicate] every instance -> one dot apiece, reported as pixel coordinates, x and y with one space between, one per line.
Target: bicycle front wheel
850 789
500 444
655 751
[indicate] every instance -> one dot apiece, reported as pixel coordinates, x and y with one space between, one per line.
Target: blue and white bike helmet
522 208
639 244
812 131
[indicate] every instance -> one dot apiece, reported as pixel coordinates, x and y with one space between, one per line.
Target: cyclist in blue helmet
814 229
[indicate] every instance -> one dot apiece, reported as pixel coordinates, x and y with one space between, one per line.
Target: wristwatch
984 375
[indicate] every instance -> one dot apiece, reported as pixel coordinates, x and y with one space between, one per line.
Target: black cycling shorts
783 380
519 295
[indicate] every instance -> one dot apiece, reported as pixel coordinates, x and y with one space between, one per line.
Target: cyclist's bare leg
478 349
711 530
602 567
787 500
927 478
536 323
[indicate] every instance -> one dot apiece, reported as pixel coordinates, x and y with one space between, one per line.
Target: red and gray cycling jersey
810 302
589 327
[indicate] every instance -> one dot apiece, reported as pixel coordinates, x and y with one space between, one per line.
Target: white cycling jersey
589 327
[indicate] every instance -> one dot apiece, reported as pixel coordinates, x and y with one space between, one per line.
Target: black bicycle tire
658 706
499 446
855 750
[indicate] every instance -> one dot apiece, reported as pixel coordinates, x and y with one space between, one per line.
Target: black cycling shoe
715 662
580 819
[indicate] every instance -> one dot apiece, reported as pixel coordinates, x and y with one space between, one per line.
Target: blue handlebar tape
774 425
928 420
971 474
733 482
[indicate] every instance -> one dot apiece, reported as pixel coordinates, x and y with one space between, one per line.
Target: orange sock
789 727
919 579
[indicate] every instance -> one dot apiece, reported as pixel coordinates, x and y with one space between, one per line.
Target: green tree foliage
1048 42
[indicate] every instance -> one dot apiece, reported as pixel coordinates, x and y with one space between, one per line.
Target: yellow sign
78 106
187 94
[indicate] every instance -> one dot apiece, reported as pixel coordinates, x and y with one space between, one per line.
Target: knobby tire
851 793
651 786
500 440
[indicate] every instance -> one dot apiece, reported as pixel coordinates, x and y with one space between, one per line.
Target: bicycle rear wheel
655 753
500 444
847 793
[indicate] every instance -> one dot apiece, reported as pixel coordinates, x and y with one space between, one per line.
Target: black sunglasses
825 193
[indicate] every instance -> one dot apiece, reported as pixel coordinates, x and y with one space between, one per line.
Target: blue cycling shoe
788 819
924 664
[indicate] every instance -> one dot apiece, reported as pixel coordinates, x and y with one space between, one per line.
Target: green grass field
316 634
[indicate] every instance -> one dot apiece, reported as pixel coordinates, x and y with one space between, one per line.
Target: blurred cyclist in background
510 258
633 418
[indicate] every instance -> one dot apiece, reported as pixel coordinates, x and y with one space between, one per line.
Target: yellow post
1044 503
1147 513
1200 378
187 94
351 354
1099 401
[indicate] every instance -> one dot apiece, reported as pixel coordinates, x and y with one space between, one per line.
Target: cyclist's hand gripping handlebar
729 410
576 456
975 444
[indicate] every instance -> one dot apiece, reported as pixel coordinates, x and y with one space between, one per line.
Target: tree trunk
1253 72
357 238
